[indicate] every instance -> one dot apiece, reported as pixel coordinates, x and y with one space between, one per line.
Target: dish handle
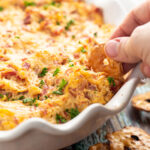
136 73
123 96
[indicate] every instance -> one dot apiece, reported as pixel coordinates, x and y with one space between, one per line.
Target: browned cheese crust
44 69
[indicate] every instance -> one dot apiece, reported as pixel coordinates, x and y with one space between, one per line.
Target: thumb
120 49
131 49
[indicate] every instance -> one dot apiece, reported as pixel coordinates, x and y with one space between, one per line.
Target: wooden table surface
127 117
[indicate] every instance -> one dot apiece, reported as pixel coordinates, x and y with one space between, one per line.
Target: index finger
138 16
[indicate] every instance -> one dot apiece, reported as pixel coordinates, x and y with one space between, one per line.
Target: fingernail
112 48
147 70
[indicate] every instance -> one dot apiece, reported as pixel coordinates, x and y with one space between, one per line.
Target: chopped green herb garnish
9 95
41 83
30 101
73 112
38 96
26 3
1 95
53 3
56 72
83 50
111 81
26 100
57 23
21 97
85 69
67 110
58 92
62 84
69 60
37 104
71 22
17 37
71 65
43 72
95 34
60 119
60 87
73 36
34 100
1 8
46 97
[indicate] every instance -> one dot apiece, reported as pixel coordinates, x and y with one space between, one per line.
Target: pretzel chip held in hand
98 61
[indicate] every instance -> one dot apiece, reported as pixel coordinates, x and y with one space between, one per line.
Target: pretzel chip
100 146
129 138
142 102
98 61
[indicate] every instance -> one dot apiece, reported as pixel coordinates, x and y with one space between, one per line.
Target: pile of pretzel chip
129 138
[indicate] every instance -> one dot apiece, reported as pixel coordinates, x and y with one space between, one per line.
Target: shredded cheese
44 70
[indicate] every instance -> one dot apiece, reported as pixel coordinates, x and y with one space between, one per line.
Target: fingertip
145 69
111 48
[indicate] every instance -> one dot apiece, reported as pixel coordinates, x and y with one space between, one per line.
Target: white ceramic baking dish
38 134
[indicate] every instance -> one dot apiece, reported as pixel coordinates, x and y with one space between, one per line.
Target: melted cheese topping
44 69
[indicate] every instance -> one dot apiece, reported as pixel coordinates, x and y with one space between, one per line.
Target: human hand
130 43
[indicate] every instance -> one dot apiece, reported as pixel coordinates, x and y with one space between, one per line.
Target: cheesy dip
45 69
